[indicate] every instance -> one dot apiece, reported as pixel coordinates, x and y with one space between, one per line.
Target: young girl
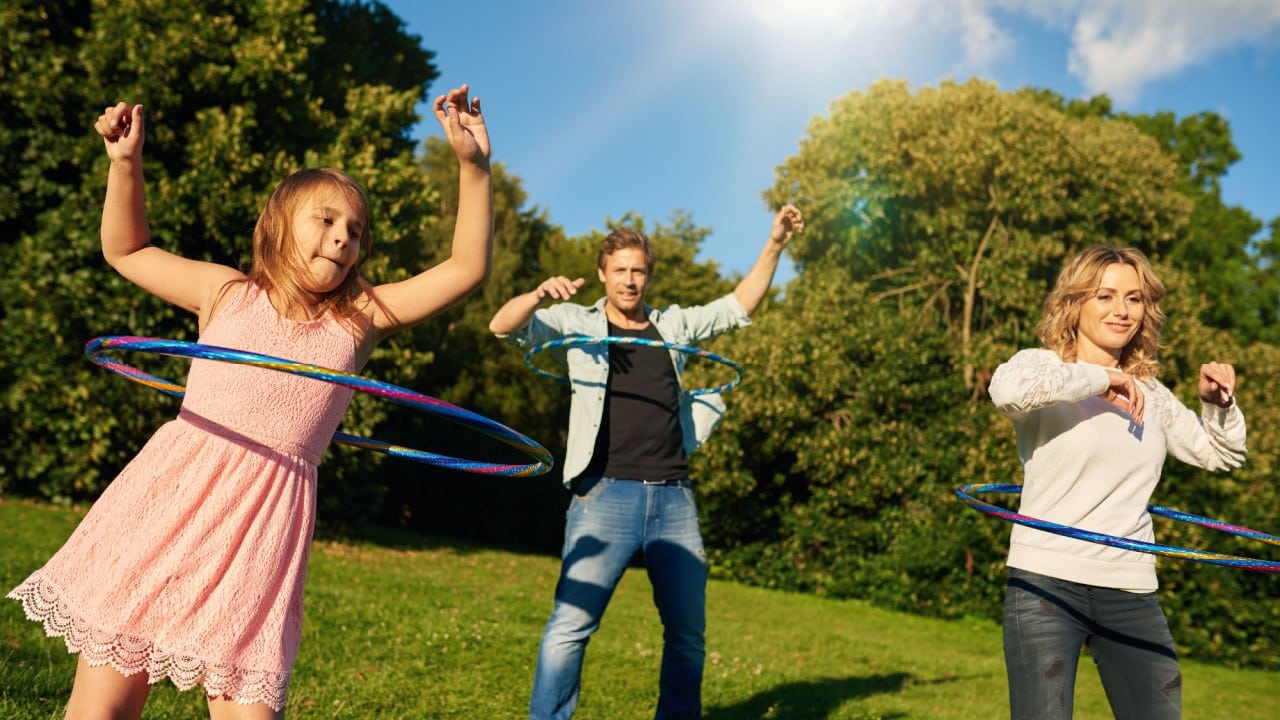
1094 426
191 564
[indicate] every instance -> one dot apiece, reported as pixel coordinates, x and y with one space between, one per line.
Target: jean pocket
588 487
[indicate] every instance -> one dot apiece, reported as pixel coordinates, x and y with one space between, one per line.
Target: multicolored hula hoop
966 492
97 347
617 340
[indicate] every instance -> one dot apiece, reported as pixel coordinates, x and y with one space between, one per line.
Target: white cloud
897 38
1118 46
984 42
840 43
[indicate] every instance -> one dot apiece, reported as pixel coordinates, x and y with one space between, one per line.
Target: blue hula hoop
97 348
644 342
966 492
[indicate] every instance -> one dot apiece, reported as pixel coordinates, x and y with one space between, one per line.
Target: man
631 430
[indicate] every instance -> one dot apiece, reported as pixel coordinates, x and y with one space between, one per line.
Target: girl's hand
463 126
1217 384
558 288
1125 393
121 128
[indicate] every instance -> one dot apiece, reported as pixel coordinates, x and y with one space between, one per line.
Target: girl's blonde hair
1078 282
276 266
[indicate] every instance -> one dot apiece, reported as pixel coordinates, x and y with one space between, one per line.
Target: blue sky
601 107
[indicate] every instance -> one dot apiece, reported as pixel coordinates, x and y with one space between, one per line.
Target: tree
1265 284
237 96
967 199
936 221
1219 244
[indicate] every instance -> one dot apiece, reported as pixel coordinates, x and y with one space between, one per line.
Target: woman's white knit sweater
1087 465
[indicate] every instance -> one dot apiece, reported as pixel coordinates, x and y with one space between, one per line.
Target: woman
1094 426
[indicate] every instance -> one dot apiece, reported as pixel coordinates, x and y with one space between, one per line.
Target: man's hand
558 288
786 223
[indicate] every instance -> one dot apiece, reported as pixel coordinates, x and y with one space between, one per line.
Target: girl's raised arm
407 303
126 237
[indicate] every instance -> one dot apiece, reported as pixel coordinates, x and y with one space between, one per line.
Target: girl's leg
222 708
102 693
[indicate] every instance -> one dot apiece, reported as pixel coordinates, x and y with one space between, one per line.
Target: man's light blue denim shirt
589 365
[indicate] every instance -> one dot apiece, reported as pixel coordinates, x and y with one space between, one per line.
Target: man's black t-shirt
640 435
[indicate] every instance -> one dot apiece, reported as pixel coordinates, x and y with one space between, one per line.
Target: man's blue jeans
1046 623
609 521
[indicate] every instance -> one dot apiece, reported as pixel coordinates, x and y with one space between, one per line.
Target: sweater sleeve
1213 440
1038 378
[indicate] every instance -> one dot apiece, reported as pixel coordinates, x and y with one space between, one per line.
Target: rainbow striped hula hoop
645 342
966 493
97 348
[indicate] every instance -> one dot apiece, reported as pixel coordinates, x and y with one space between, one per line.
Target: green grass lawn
409 626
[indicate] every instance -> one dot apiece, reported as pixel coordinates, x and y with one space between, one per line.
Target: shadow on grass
811 699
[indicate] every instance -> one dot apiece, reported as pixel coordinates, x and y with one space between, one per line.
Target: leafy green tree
41 93
1218 247
831 472
936 222
1265 284
966 199
237 96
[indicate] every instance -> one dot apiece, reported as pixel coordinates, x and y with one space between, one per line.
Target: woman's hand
1125 393
1217 384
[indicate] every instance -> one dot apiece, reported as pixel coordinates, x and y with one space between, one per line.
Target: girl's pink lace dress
191 564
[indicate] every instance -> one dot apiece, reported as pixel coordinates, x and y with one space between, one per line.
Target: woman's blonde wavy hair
276 267
1079 280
